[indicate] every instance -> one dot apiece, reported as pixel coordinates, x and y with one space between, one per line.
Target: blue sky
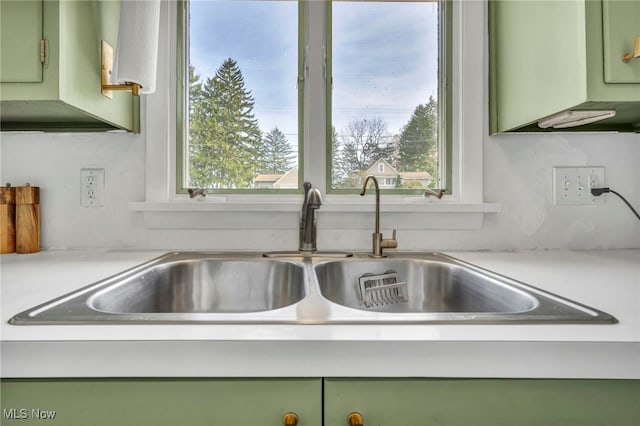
385 60
385 57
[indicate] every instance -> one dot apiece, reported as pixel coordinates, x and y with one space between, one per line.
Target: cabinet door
20 35
621 25
480 402
159 402
538 65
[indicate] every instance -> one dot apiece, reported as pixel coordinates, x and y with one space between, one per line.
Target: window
165 193
248 68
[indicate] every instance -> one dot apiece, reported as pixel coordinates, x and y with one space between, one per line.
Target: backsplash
517 174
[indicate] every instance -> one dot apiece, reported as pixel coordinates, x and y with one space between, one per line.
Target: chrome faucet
312 202
379 243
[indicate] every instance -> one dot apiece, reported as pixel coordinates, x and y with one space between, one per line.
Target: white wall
53 162
517 175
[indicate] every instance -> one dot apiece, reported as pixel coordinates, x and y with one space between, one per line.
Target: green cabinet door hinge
44 51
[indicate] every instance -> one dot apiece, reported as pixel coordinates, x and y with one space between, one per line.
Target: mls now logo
25 413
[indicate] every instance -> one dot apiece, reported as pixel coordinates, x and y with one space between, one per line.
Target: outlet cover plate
92 187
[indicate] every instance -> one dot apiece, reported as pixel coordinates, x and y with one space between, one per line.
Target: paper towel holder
107 69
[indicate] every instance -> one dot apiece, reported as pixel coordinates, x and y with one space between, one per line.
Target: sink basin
204 285
180 287
201 288
432 286
440 288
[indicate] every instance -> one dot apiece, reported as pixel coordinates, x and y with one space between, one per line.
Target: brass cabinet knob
290 419
355 419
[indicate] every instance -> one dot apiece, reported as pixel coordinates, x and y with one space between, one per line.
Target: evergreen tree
201 130
195 91
225 140
277 155
339 169
417 145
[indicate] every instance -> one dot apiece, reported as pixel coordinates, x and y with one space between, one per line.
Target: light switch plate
572 185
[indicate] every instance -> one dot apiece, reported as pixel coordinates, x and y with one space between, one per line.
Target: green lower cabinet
317 402
159 402
479 402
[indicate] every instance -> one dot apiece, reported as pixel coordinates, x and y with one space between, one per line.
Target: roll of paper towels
136 55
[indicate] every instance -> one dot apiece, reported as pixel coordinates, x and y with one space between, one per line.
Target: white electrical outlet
92 187
572 185
594 177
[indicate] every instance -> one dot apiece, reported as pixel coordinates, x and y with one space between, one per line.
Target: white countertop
606 280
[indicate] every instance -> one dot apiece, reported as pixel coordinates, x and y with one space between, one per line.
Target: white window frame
464 209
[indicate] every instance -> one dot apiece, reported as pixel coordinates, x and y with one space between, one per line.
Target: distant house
413 179
265 181
384 172
289 180
387 176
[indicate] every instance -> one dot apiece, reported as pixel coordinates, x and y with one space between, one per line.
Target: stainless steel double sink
198 287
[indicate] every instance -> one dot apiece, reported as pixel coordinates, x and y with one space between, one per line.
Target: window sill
222 214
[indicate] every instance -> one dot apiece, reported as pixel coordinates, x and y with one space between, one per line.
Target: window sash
445 140
182 104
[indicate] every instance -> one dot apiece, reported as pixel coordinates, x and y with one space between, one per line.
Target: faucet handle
389 243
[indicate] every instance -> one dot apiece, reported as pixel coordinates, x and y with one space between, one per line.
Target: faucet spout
364 189
378 242
308 221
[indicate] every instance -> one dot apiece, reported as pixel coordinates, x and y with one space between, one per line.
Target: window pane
243 101
385 94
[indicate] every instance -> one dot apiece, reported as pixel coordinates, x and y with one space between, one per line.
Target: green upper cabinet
564 58
621 26
21 41
50 77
